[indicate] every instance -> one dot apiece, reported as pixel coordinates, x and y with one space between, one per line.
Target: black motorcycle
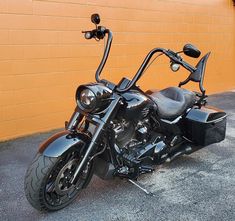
120 130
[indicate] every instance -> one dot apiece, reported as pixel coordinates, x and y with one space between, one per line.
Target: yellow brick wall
44 56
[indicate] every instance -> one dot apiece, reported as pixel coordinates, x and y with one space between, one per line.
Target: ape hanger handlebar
100 32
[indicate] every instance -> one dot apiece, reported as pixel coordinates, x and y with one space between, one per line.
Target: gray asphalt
196 187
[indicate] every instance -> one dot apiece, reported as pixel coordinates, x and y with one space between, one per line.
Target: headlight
87 99
93 97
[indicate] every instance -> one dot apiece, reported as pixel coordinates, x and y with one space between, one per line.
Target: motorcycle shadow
99 189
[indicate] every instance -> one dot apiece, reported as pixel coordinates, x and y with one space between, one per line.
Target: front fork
100 122
74 121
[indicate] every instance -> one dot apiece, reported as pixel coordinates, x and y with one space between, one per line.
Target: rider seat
173 101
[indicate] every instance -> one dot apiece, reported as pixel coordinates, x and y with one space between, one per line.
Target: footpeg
146 169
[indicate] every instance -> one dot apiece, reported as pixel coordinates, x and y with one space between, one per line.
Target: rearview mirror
191 51
95 18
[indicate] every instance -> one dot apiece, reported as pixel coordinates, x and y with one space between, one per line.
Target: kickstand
140 187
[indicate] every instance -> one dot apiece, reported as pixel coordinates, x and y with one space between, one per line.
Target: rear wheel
47 185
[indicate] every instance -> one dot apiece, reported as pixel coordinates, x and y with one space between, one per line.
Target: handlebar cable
151 63
104 43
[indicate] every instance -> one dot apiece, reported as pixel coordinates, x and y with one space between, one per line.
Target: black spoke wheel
62 182
47 181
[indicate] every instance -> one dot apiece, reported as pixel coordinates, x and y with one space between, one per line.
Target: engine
131 128
129 134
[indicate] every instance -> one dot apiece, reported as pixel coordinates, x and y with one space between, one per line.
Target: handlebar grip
98 33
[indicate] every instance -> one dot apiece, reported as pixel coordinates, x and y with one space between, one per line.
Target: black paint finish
102 96
115 110
206 125
136 104
59 143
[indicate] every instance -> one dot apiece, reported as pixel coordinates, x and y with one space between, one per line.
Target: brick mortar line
44 73
114 19
79 30
54 58
36 116
69 98
21 135
106 6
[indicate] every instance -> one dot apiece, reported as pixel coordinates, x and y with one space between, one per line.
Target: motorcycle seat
173 101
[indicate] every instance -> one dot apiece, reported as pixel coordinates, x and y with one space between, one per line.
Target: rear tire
46 183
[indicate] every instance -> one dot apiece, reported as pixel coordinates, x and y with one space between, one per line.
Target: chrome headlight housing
93 97
87 99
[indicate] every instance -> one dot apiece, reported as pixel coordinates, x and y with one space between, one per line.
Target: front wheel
47 185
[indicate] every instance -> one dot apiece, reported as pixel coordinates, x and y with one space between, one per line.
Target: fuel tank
136 105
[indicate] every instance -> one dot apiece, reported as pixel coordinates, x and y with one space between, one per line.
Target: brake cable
151 63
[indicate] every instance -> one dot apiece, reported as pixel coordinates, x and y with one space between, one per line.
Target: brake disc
62 182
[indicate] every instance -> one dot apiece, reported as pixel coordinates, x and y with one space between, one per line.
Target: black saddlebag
206 125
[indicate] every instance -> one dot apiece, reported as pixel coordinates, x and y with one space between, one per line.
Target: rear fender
61 142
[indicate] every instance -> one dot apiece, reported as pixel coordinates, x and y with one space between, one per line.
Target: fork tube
97 134
75 119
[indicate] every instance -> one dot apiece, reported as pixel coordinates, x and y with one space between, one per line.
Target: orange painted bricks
44 56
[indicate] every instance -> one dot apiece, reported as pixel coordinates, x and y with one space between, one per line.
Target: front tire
47 186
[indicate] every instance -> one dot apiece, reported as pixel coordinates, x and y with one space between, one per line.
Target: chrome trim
176 120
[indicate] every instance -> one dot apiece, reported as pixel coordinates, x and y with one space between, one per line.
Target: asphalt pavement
196 187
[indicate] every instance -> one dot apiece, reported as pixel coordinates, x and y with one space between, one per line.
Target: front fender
59 143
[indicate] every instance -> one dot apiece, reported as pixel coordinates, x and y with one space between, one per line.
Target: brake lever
178 59
174 55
